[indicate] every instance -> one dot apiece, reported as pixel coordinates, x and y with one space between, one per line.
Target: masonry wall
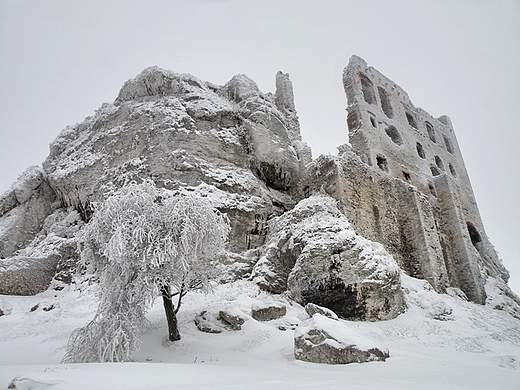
404 183
386 210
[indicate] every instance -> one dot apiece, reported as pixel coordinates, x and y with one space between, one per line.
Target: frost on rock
325 340
501 297
313 252
185 134
267 311
311 309
51 254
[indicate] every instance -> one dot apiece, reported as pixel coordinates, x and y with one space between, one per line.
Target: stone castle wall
403 183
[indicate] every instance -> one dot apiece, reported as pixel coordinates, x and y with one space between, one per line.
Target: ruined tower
403 182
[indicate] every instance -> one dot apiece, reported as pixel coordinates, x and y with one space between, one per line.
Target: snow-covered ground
441 342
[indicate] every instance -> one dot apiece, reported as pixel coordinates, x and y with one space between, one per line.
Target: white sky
61 59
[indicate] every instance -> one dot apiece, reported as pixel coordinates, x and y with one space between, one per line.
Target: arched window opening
411 120
394 135
431 131
432 189
439 162
452 170
385 102
381 162
447 142
474 235
368 89
420 150
435 171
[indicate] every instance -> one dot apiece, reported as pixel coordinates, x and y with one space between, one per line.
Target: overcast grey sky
61 59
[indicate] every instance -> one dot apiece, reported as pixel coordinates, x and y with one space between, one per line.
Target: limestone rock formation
324 340
312 252
228 143
51 254
35 237
23 209
208 322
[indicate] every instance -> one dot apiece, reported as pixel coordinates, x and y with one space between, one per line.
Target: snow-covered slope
440 342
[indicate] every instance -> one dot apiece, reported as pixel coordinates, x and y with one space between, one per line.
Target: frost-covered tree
141 241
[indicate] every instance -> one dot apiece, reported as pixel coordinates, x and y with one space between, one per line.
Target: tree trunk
171 317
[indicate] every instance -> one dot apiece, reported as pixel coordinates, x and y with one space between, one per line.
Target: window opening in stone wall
411 120
373 121
381 162
475 236
447 142
435 171
452 170
394 135
406 176
368 89
385 102
431 131
439 162
432 189
420 150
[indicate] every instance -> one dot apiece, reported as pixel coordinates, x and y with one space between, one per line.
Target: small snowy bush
139 241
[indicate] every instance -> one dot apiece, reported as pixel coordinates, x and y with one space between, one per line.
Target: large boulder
26 267
313 252
267 311
311 309
51 254
233 317
325 340
26 275
23 209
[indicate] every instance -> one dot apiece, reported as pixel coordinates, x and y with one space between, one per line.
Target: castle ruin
403 183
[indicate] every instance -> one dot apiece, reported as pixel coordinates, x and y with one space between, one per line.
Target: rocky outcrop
233 317
26 265
229 144
313 252
324 340
51 254
21 275
23 210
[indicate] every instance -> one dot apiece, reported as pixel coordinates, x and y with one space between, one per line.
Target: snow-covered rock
23 383
23 210
229 144
51 254
233 317
26 275
267 311
312 309
325 340
313 252
208 322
